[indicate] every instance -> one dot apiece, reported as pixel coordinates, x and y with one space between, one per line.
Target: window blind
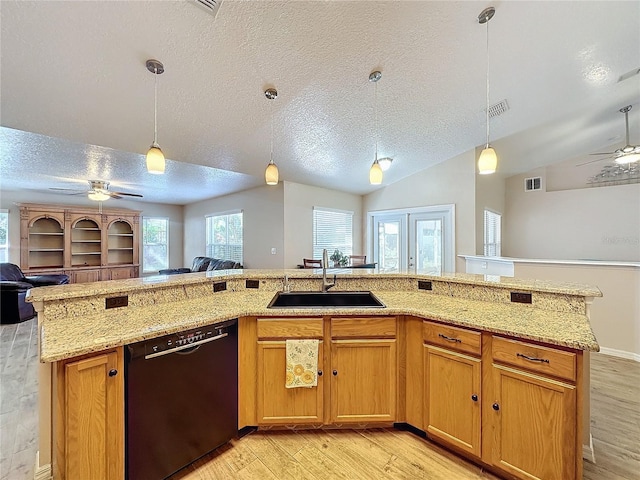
492 234
333 230
224 236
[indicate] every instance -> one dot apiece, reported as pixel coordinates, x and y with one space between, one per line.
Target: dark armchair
13 289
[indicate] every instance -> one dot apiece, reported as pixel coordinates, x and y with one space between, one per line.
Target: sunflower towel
302 363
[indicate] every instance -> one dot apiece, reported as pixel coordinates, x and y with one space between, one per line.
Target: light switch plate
273 250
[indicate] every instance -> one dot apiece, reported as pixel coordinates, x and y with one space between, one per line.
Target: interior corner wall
263 225
597 223
299 201
452 181
490 194
175 213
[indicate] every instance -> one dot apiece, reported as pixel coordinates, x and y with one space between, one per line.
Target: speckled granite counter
73 320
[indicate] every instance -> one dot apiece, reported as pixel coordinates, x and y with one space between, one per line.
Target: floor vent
533 183
211 6
498 108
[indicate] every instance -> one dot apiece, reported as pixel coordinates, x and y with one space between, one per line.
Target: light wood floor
348 454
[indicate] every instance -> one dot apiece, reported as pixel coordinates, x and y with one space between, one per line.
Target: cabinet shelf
46 250
47 233
121 234
87 229
85 253
122 248
85 241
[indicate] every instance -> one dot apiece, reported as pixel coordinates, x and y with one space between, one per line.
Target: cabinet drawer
535 358
453 338
290 328
363 327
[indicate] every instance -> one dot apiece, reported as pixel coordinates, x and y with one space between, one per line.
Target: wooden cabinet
276 404
363 370
89 418
81 242
534 419
452 386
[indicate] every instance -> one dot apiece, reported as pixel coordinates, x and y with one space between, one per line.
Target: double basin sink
325 300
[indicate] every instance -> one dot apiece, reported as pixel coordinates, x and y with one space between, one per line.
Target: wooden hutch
80 241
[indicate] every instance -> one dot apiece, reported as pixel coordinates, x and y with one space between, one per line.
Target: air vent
211 6
533 183
629 74
498 108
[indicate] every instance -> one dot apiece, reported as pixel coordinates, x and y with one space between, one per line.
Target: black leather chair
13 289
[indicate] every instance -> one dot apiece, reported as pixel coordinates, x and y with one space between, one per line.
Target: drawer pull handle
532 359
449 339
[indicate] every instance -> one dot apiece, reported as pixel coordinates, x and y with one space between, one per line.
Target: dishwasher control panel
182 339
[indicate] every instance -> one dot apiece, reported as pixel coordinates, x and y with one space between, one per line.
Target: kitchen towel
302 363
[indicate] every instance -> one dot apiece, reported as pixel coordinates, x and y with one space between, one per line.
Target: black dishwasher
181 399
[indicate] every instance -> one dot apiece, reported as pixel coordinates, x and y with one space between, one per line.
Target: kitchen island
469 325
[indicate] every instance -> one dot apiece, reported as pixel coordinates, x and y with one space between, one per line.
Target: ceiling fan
98 191
625 155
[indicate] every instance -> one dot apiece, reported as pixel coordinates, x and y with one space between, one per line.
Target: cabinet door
363 381
452 398
120 273
93 418
85 276
534 422
278 405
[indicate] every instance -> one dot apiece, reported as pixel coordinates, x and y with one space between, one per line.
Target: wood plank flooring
328 454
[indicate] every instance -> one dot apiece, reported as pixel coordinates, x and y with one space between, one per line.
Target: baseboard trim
620 353
42 472
587 451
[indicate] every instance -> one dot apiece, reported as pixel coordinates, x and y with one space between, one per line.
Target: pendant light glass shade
488 161
155 160
271 174
375 173
155 157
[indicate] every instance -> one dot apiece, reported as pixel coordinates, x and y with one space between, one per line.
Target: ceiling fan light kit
488 161
629 153
155 157
271 174
385 163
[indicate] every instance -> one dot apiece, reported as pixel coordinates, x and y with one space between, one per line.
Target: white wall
263 225
8 199
448 182
599 223
299 201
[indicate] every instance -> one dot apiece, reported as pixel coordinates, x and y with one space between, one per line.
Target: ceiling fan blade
592 161
127 194
69 191
603 153
114 195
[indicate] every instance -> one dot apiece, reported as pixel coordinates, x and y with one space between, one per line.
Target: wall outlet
273 250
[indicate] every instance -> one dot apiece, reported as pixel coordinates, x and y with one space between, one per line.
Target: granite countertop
67 337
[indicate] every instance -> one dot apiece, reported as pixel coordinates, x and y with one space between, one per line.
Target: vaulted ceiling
77 99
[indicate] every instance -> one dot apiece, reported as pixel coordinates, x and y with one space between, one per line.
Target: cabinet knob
319 373
113 372
474 397
496 407
335 372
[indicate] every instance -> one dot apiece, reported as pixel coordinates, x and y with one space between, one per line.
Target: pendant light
488 160
375 172
155 157
271 173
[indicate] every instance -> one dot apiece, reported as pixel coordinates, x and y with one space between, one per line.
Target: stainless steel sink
325 300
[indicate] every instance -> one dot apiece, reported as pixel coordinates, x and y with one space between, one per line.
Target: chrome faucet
325 284
286 286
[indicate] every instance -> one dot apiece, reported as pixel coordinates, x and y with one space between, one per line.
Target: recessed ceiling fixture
375 172
488 160
271 173
155 157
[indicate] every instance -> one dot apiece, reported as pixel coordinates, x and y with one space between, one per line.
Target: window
4 235
155 244
224 236
492 233
333 230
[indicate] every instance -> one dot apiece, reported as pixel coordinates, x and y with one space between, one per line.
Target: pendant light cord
487 111
155 108
375 114
271 154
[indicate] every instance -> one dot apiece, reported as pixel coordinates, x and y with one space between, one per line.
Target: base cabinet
89 418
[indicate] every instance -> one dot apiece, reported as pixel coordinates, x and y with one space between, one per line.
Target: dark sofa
13 289
203 264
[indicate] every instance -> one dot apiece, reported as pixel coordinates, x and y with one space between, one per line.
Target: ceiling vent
498 108
211 6
533 183
629 74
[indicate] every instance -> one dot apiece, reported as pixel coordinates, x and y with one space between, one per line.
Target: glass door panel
426 246
389 250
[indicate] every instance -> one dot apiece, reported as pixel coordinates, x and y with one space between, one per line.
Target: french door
419 240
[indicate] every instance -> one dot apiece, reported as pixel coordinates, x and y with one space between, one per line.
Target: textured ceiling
75 71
